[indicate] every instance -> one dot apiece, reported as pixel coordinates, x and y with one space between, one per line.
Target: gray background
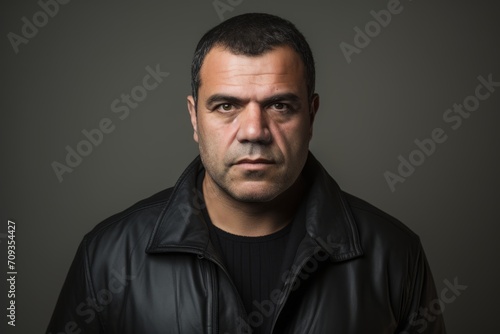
393 92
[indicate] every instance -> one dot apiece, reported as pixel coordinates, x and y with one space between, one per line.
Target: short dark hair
253 34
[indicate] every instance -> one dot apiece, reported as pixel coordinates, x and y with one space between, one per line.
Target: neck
250 218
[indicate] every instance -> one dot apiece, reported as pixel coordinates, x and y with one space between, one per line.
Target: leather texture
152 269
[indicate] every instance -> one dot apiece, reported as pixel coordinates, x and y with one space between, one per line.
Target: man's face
253 122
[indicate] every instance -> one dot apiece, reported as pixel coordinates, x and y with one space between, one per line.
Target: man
255 237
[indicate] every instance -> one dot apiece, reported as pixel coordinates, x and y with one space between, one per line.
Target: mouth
258 161
254 164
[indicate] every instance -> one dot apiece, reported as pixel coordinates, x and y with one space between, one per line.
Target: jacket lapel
329 220
181 224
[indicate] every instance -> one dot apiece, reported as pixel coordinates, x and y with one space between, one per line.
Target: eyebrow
285 97
217 98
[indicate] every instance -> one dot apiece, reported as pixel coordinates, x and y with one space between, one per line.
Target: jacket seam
413 282
88 279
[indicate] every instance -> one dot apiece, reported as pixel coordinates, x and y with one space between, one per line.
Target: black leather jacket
152 269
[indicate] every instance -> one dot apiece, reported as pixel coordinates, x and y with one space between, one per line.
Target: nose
254 125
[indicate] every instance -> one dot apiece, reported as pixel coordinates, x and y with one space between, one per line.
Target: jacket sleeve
424 310
76 310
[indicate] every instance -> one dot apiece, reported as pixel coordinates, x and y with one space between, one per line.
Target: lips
254 161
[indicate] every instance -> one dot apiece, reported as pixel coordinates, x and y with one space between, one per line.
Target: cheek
213 137
293 137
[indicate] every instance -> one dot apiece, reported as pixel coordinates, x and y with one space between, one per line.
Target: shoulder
130 226
377 227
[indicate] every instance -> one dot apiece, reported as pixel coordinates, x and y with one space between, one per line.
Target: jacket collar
329 222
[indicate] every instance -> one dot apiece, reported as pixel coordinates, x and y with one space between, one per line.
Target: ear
313 109
192 114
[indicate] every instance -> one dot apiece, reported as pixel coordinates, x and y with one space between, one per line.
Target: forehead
276 70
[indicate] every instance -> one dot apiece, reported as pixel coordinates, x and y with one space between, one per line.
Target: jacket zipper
288 284
215 290
215 300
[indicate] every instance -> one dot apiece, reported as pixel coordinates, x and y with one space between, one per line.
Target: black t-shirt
254 263
255 266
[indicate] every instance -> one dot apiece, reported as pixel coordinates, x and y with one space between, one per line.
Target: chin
255 194
254 198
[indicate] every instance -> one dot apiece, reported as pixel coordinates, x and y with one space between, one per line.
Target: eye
281 107
225 107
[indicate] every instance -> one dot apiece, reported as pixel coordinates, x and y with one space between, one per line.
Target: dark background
394 91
